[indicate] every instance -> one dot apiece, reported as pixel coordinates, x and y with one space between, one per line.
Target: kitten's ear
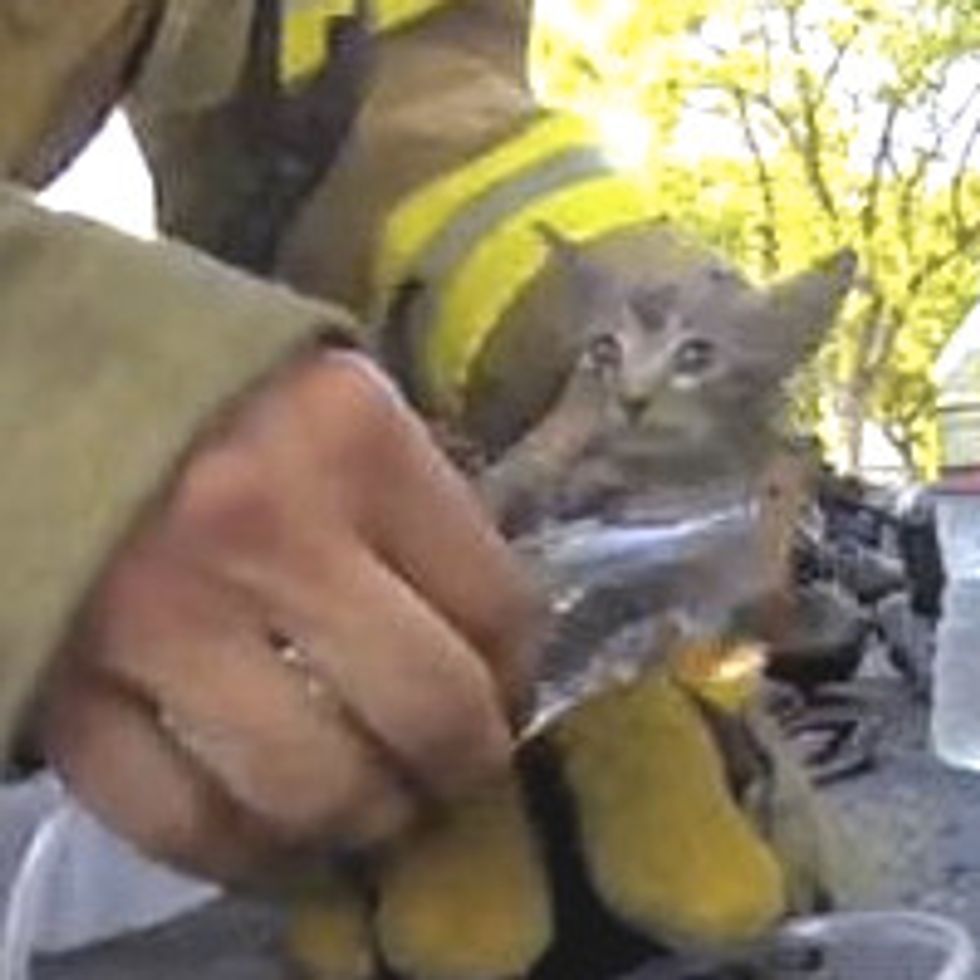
589 288
798 312
562 247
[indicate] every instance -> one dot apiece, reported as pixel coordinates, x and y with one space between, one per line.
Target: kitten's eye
605 352
694 357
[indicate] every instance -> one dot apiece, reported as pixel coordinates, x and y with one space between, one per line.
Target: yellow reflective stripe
304 46
392 14
492 276
420 218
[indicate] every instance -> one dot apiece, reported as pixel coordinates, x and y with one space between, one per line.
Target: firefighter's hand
313 633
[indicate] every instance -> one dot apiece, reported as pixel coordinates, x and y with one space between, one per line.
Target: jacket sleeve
112 352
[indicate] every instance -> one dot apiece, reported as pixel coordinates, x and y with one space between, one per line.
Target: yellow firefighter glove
666 846
464 898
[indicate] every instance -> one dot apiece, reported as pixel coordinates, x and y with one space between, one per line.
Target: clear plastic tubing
28 893
900 928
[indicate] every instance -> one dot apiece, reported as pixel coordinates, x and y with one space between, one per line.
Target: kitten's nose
633 406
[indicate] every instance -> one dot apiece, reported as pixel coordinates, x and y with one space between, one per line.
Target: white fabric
68 882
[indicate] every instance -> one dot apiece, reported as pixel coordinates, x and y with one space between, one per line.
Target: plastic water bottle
956 674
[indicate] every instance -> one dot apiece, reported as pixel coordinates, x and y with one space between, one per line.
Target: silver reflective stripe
480 217
501 201
329 8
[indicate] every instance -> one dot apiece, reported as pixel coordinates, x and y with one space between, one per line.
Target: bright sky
109 182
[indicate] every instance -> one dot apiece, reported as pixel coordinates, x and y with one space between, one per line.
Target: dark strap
275 144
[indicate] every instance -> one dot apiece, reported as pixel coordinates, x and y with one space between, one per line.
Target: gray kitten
674 400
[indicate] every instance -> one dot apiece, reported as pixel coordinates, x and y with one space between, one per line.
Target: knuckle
171 829
358 406
302 798
219 491
464 740
378 812
297 799
354 381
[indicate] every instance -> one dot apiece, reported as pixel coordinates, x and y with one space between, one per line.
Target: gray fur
674 395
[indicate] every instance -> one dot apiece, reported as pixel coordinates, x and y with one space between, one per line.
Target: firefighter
251 624
195 476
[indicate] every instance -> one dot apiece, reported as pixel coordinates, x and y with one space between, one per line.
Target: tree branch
966 239
767 44
909 185
869 213
924 158
812 137
871 340
902 442
783 118
912 410
770 240
840 53
895 318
